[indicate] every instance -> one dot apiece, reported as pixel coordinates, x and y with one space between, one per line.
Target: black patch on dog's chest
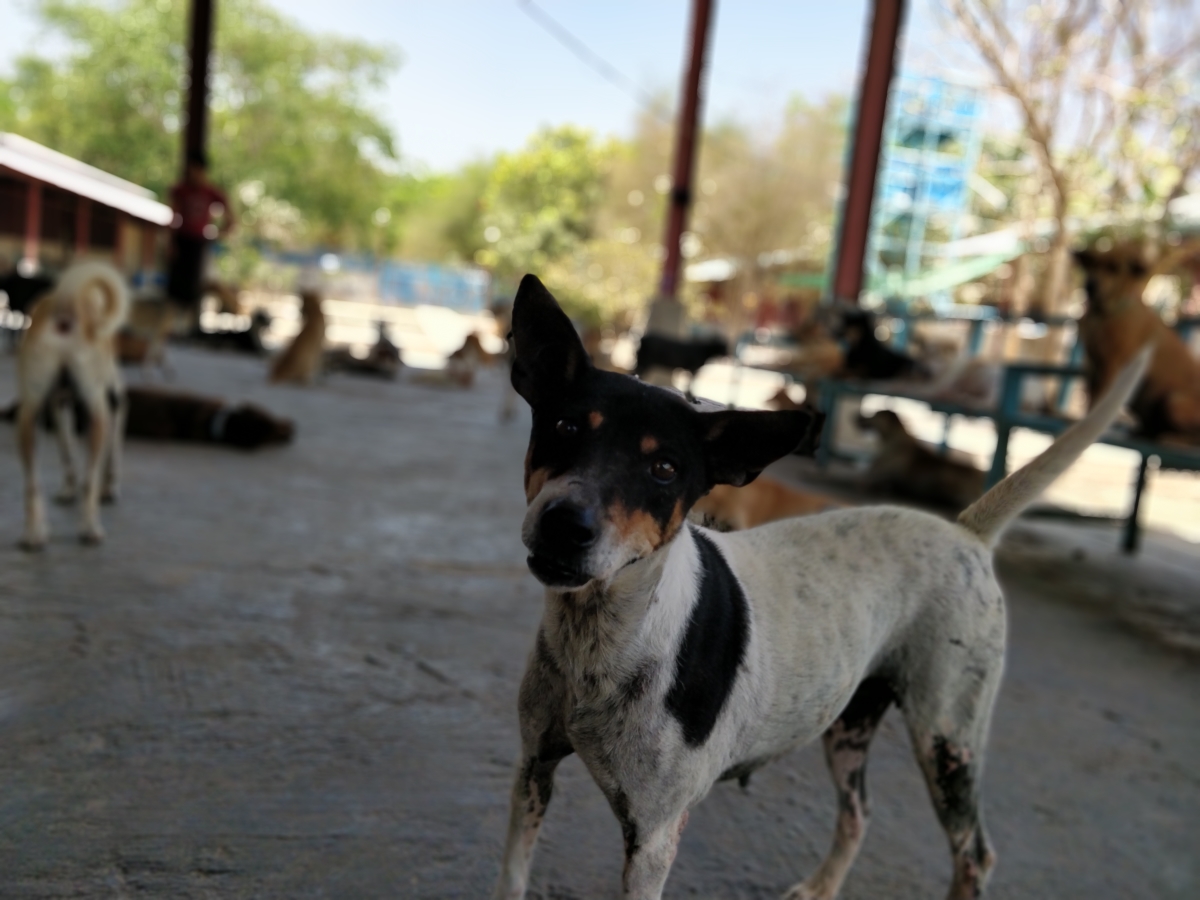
712 649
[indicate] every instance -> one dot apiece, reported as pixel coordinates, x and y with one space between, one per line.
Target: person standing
196 202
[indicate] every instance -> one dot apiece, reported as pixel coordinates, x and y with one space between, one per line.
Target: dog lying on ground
729 508
238 340
67 354
300 361
657 351
176 416
1116 323
866 356
905 467
461 366
382 359
163 415
670 656
21 291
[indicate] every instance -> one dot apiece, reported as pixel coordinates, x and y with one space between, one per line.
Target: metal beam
863 162
200 43
685 147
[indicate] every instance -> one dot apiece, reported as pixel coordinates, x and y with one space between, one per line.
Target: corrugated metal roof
51 167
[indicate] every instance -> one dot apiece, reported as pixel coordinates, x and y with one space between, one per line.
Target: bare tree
1108 92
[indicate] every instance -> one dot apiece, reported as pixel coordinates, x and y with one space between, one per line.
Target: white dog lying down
670 656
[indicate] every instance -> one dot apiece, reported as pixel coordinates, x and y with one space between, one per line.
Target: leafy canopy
290 110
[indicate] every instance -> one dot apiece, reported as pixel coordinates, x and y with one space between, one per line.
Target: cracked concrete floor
293 674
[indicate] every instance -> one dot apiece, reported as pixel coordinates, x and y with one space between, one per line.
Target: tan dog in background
729 508
1117 324
907 468
67 356
150 322
300 361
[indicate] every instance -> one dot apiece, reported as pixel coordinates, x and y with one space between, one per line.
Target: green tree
291 113
541 202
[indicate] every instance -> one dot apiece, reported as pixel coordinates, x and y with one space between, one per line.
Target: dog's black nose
565 529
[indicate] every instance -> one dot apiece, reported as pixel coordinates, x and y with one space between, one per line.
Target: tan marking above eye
595 419
649 444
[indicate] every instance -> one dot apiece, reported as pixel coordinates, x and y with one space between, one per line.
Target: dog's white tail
101 292
988 516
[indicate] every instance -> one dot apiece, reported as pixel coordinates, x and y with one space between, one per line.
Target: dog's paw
111 495
66 497
33 543
807 891
91 535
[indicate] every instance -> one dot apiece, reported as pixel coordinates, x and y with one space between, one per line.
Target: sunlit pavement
293 674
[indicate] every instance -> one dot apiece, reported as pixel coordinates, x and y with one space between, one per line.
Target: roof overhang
28 158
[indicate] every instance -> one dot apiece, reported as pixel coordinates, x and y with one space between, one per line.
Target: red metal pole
33 227
196 133
863 164
685 147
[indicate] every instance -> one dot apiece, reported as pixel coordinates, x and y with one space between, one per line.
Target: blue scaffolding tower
931 147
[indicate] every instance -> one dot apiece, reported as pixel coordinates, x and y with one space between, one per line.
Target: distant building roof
51 167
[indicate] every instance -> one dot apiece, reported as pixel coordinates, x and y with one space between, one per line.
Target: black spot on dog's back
713 647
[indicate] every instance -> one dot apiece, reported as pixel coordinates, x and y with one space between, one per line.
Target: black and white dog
670 656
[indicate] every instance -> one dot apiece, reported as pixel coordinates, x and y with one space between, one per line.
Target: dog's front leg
544 743
648 857
530 797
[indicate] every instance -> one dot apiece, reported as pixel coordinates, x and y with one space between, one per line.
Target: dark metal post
685 147
200 43
863 162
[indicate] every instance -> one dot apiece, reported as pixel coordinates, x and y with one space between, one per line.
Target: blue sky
480 76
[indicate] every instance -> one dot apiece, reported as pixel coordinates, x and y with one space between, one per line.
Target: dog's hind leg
64 430
116 443
649 855
36 382
948 717
93 396
846 743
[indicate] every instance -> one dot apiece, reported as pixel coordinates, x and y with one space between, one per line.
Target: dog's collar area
216 427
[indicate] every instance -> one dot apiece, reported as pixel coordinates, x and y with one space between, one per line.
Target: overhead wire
589 57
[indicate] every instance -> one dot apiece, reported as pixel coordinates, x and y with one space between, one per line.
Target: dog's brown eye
663 470
566 428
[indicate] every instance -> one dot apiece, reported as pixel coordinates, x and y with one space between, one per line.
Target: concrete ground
293 674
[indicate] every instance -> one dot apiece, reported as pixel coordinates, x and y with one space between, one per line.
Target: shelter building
55 209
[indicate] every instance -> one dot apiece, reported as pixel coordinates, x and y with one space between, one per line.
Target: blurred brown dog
907 468
728 508
300 362
1116 324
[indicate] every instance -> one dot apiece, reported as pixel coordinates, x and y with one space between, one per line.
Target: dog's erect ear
548 355
739 445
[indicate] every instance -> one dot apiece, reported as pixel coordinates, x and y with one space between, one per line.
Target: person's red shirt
195 205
